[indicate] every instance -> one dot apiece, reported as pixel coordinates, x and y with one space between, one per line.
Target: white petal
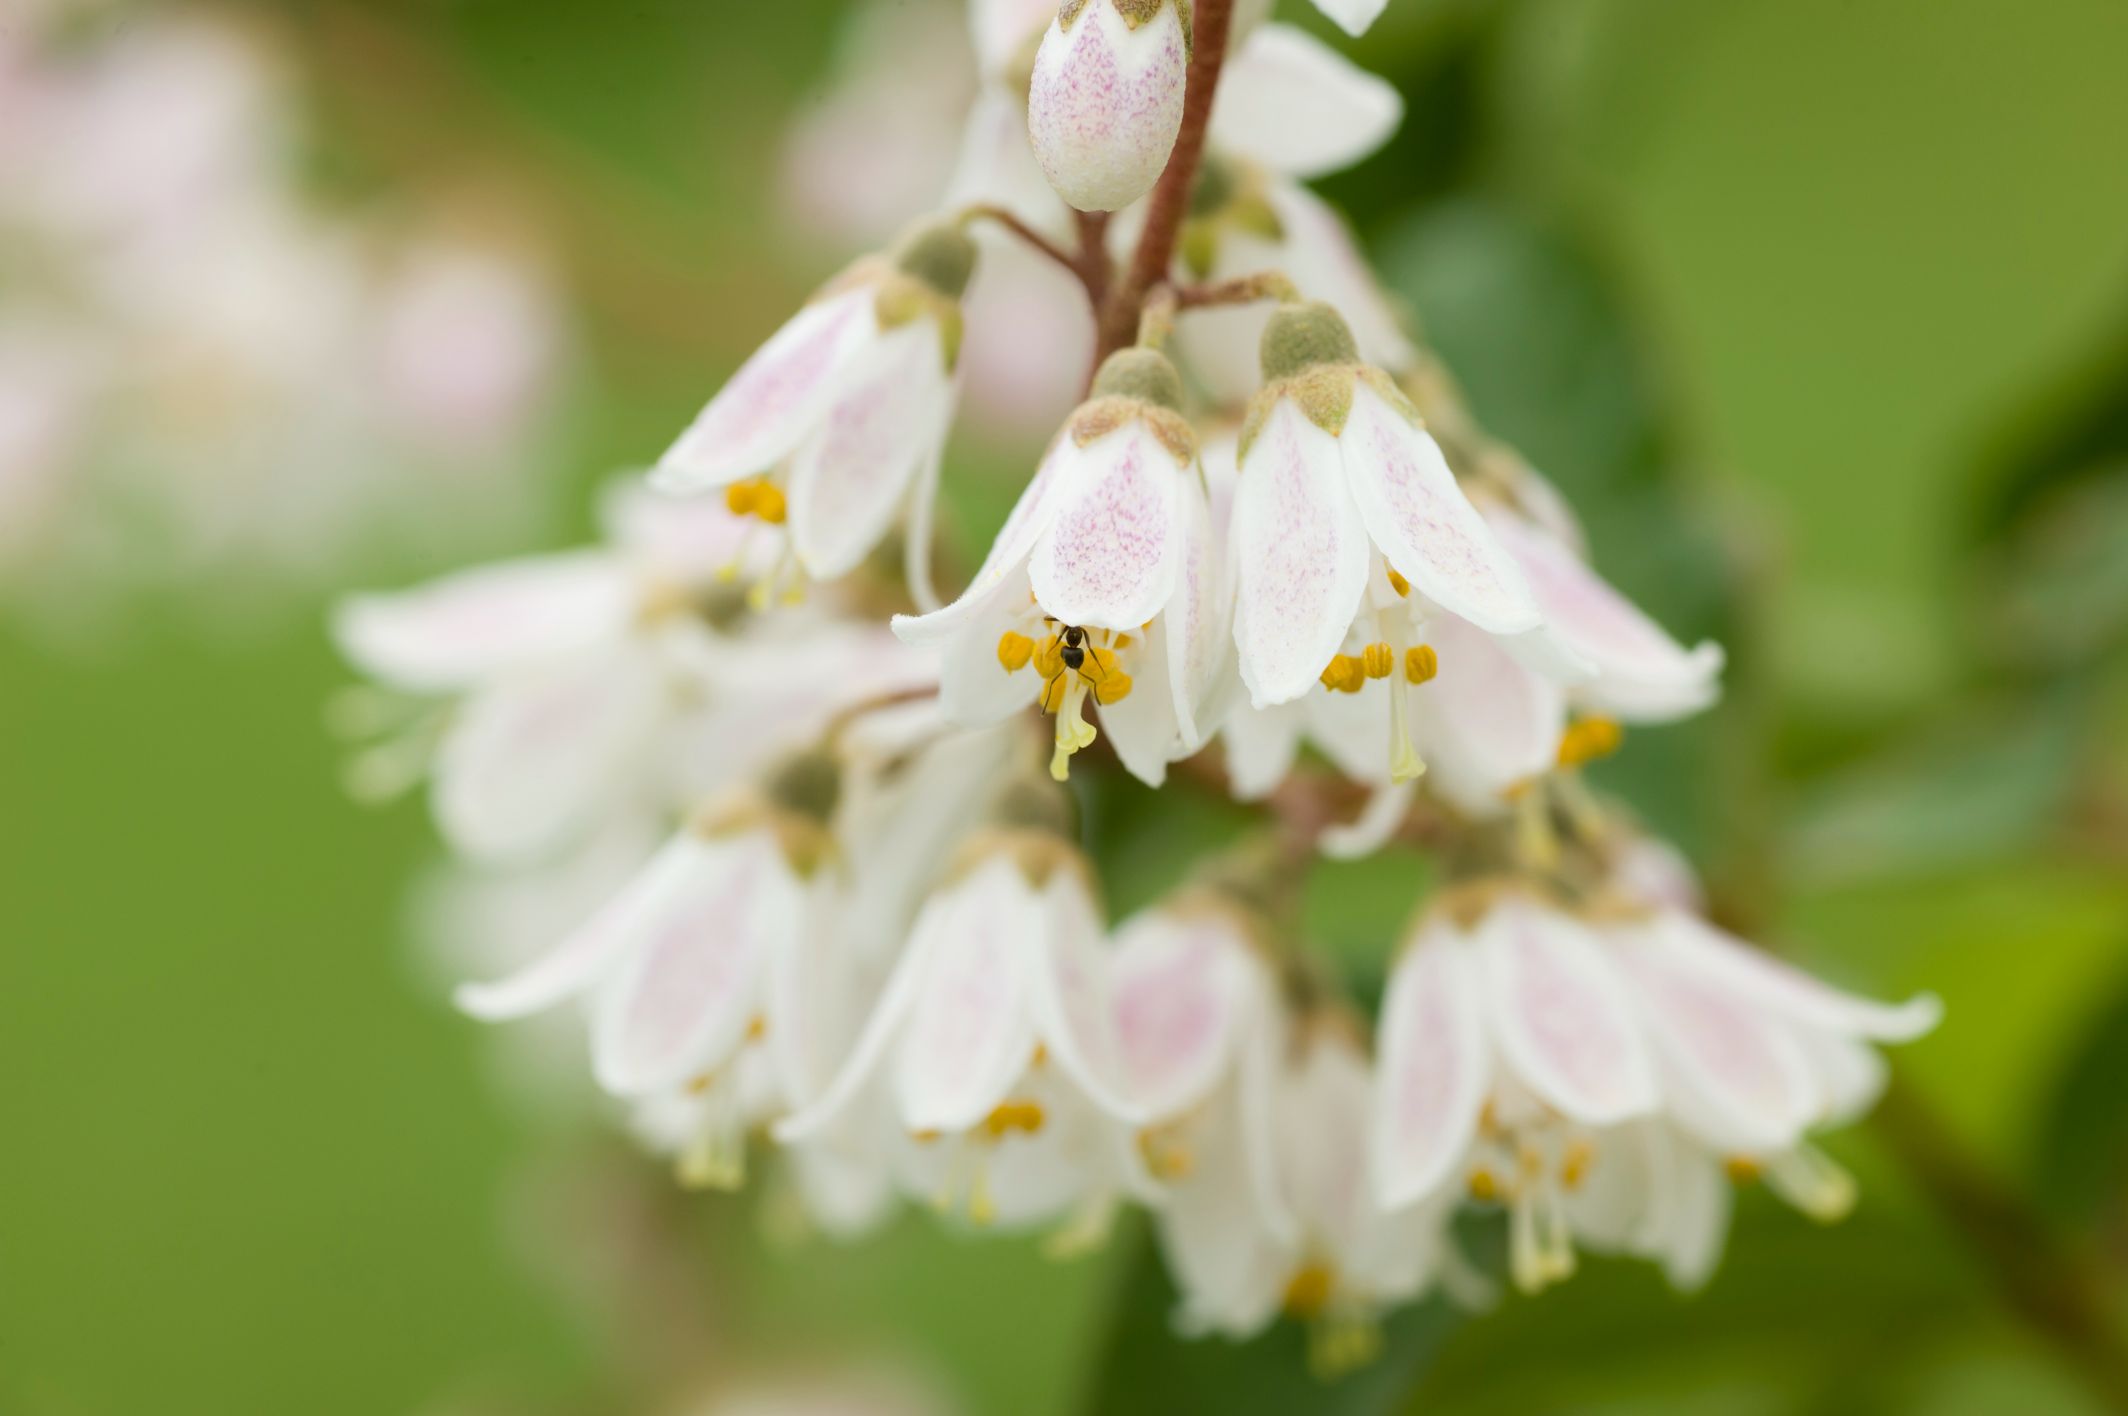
1485 723
1789 991
1105 103
881 1031
1068 994
1323 1120
1850 1076
1326 262
530 760
1141 726
1434 1069
703 927
968 1036
776 398
1300 554
1371 830
1424 524
456 631
1353 16
1294 104
851 478
1734 1077
1564 1022
585 953
1112 552
1031 516
1641 673
975 688
1261 744
1196 618
1180 995
1211 1232
679 540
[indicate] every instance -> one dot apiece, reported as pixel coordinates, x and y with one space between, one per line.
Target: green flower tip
1143 374
807 783
942 256
1299 337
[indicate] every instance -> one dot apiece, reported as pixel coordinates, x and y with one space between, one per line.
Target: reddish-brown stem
1067 259
1170 201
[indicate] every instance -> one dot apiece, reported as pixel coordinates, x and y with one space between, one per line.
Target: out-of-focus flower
834 427
1353 16
1105 102
1103 576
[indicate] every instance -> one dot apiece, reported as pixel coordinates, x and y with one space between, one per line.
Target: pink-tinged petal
530 760
1734 1076
1105 103
1424 524
1562 1017
968 1036
1655 872
1641 673
1300 554
454 632
1793 994
1434 1070
1196 620
1323 1105
1068 995
1113 551
682 1004
1485 723
1031 516
777 397
1261 744
975 687
1294 104
1353 16
586 900
851 478
1180 991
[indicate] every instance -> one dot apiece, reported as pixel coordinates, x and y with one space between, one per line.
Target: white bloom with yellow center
1102 585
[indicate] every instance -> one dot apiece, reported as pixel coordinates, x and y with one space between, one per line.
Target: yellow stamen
739 497
1589 739
925 1137
1011 1116
1378 661
1014 650
1049 660
1166 1158
1123 641
1484 1185
757 1029
1574 1166
769 504
1421 663
1398 583
1343 674
1308 1291
1741 1169
1113 689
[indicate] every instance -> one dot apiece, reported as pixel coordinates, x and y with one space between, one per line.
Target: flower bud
1105 102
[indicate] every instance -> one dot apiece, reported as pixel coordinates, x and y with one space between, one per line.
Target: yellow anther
1099 663
1588 739
1421 663
700 1083
1113 689
1378 661
1123 641
1484 1185
1014 650
1053 693
739 497
1040 1055
769 504
1308 1291
1398 583
1049 659
1574 1165
1343 674
1489 1118
757 1029
1011 1116
1742 1169
925 1137
1167 1159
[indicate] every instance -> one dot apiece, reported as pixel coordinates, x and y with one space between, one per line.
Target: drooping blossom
1105 101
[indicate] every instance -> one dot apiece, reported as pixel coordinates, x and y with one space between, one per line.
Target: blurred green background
1818 309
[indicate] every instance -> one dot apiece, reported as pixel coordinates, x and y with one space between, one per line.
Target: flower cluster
851 909
191 345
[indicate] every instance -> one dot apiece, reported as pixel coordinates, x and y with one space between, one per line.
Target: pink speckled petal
1300 553
1424 524
1180 991
1105 103
776 398
1113 550
1641 673
1561 1014
1434 1070
1031 515
851 478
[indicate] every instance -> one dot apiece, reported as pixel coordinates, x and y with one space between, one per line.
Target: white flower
1105 102
834 428
1353 16
1101 585
1350 529
993 1049
1524 1049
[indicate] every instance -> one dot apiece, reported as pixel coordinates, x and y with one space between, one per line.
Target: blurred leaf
2082 1150
1148 1370
2064 599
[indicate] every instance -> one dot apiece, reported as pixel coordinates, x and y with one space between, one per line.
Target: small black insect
1074 651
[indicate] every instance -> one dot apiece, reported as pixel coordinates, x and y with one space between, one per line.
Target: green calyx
942 256
1304 336
808 784
1134 13
1143 374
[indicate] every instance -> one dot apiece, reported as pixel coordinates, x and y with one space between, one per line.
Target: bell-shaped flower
1105 102
1201 1030
833 430
1102 584
1525 1049
1350 533
992 1046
